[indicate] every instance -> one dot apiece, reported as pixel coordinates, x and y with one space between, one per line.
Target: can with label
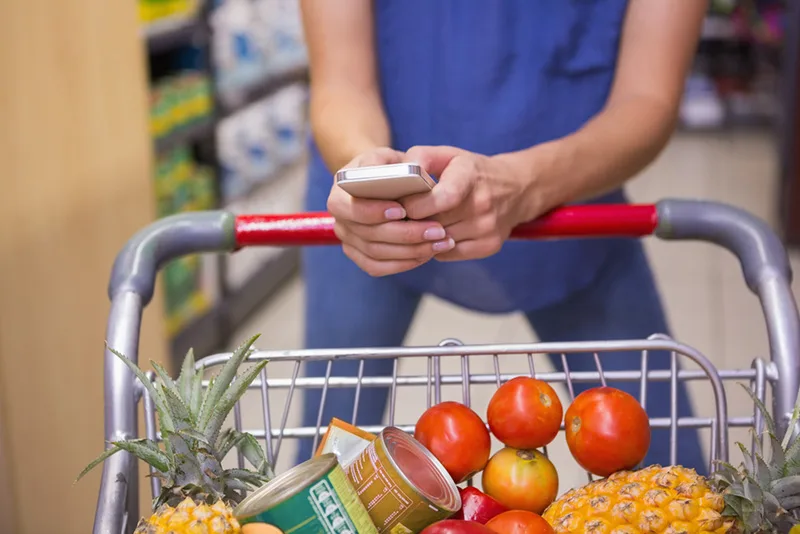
404 487
313 498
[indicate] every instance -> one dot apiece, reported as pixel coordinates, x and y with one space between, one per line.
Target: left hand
479 199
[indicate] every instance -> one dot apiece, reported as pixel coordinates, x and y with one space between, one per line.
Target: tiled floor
707 302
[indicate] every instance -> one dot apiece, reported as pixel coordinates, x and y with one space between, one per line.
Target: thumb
434 159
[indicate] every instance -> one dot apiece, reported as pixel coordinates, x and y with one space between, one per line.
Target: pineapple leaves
792 422
251 449
196 393
186 376
178 410
229 399
161 404
97 461
147 451
223 380
761 408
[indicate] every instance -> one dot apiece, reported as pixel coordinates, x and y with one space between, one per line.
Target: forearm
610 149
347 123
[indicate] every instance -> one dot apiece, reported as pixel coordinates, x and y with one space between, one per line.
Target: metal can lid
421 469
285 486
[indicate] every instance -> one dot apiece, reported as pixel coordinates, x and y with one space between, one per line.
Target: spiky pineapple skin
190 517
654 499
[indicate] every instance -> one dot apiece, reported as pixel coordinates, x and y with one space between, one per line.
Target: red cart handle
605 220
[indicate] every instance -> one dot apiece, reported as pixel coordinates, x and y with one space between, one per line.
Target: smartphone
385 182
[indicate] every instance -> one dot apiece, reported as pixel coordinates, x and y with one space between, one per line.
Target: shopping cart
763 260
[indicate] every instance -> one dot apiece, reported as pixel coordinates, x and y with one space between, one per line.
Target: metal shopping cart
763 260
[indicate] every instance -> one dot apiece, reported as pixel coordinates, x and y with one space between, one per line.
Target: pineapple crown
764 496
194 445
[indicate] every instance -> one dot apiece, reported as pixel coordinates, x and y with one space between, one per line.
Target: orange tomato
457 437
525 413
521 479
607 431
519 522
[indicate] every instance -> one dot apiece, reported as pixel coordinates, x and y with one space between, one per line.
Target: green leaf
97 461
747 457
165 421
228 440
792 422
186 376
251 449
223 380
254 479
166 380
229 399
196 397
180 413
770 422
147 451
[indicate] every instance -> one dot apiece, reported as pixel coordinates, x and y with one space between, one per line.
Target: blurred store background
113 114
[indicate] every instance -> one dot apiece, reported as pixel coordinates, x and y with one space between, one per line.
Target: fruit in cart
521 479
525 413
761 496
607 430
198 494
653 499
456 436
456 526
519 522
477 506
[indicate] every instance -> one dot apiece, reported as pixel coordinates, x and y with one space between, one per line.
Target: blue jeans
347 308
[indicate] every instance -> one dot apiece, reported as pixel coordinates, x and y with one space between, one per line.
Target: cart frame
763 259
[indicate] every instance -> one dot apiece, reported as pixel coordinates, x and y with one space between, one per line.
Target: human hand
373 232
478 199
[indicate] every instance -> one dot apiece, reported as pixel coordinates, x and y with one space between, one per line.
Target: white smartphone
385 182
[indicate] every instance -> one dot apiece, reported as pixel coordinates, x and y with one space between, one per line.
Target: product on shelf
254 39
182 185
179 101
154 10
255 143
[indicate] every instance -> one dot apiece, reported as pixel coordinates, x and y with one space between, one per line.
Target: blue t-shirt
495 76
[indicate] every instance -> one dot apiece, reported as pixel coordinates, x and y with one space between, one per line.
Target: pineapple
197 495
759 497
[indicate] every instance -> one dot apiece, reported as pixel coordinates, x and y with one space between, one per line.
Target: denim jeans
347 308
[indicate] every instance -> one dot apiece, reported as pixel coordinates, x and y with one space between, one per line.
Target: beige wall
75 163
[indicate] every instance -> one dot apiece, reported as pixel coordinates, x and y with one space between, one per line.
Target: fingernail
395 214
434 233
444 246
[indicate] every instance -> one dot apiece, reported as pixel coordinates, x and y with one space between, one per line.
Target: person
517 107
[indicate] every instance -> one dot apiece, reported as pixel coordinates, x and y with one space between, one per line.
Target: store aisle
707 302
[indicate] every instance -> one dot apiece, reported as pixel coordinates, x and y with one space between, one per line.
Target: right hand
373 232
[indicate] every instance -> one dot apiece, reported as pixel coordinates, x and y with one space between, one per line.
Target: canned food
404 487
313 498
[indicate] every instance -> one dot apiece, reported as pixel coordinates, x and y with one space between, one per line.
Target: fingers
473 249
455 184
397 232
378 156
363 211
434 159
380 268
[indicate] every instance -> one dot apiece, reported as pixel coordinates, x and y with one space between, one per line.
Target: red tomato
525 413
521 479
519 522
456 526
457 437
477 506
607 431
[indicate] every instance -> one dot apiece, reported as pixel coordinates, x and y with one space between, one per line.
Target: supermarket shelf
193 132
172 32
210 332
233 100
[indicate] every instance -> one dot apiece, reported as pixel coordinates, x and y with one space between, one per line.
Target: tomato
456 526
477 506
607 431
520 522
525 413
457 438
521 479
